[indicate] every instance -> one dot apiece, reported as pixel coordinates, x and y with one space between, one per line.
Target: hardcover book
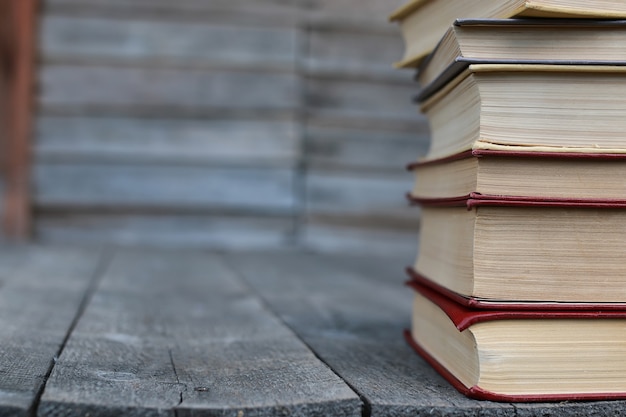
531 108
525 355
528 41
530 175
416 279
512 250
423 22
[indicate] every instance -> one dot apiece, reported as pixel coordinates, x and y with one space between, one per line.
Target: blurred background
234 124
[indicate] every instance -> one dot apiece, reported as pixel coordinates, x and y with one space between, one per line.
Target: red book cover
463 318
475 199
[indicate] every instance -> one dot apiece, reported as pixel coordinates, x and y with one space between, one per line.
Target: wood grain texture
20 71
165 43
325 118
163 121
6 50
358 194
259 12
357 99
220 142
183 187
358 237
366 150
164 90
178 331
370 11
177 230
370 15
41 290
351 311
352 51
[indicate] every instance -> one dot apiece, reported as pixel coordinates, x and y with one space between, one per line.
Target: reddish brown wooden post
19 110
5 71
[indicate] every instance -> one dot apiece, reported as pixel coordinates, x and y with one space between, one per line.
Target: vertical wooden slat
5 70
17 211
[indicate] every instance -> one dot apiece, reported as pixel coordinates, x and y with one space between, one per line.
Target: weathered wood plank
99 88
354 50
346 236
351 311
178 331
322 117
374 11
365 150
372 194
357 53
340 71
19 71
120 139
266 12
211 230
165 43
6 52
139 58
361 99
178 187
41 290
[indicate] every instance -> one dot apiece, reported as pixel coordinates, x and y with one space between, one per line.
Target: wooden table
90 332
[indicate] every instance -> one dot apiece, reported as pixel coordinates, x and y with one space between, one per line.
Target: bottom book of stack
521 354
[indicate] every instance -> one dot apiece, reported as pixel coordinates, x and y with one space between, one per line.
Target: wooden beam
17 207
6 37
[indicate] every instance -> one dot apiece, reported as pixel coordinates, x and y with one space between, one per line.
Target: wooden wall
229 123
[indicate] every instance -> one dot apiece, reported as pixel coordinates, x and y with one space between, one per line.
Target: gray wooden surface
218 143
41 293
229 109
181 331
166 43
144 332
101 185
173 230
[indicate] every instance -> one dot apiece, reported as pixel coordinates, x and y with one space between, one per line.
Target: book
536 41
528 355
423 22
532 108
490 174
416 278
512 251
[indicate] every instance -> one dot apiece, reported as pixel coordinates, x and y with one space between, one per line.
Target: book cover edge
478 393
474 199
479 153
474 303
462 63
464 317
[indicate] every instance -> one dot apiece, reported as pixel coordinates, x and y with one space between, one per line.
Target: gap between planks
366 407
104 261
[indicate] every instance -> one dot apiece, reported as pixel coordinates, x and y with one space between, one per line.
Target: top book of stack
424 22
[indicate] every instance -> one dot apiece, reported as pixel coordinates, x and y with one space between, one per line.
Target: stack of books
521 274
